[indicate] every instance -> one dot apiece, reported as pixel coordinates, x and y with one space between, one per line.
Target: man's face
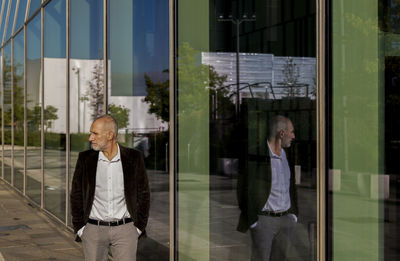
288 135
99 136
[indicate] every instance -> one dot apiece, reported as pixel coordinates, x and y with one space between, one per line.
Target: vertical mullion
173 197
42 203
171 164
25 115
321 163
67 134
105 55
12 110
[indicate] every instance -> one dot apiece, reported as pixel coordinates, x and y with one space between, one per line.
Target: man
110 195
267 196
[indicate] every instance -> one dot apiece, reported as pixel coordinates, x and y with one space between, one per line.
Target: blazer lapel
92 168
126 164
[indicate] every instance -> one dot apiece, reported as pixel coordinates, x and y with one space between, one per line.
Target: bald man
110 195
267 195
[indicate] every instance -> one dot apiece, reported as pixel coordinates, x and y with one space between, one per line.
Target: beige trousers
122 239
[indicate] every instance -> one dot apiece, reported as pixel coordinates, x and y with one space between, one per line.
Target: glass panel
86 65
3 20
7 112
246 130
18 94
21 14
11 16
364 170
35 4
34 107
54 107
138 98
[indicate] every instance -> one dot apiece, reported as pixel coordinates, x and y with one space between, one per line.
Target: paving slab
27 233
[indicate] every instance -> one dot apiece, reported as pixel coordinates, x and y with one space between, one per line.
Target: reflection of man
109 196
267 196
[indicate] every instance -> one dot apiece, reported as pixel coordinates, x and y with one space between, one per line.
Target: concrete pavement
28 234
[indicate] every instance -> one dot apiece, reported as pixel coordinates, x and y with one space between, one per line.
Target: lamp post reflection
237 22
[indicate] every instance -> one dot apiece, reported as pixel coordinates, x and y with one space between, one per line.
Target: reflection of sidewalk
28 234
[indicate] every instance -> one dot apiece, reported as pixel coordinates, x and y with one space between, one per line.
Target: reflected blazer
136 187
254 187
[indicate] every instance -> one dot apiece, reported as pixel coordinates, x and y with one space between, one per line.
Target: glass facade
247 113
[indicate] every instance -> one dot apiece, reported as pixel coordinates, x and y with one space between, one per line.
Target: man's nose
90 137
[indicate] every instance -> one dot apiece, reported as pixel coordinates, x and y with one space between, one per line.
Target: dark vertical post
237 67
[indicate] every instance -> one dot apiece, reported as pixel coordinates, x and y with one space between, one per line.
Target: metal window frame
25 116
42 203
321 130
67 126
12 110
105 55
173 202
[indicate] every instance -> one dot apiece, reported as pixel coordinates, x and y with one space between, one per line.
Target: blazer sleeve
76 196
143 194
293 192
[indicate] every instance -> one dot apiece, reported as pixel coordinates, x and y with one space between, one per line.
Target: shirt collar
272 154
115 159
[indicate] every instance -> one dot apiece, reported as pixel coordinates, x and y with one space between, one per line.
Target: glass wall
33 109
246 96
18 104
54 107
138 97
364 134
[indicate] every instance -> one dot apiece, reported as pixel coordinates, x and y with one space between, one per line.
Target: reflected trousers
271 238
122 239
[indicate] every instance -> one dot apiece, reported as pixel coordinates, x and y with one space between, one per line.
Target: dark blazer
137 194
254 187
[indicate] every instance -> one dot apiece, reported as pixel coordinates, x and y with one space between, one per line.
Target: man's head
281 128
103 132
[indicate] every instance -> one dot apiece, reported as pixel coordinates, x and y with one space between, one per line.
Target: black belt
273 214
110 223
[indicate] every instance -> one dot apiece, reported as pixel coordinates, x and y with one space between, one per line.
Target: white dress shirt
109 198
279 197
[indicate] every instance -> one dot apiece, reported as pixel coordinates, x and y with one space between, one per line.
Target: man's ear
110 135
281 133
